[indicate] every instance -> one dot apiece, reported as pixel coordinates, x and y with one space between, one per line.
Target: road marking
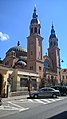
52 100
19 107
23 109
46 100
1 107
21 100
38 100
8 108
43 101
31 100
58 99
13 106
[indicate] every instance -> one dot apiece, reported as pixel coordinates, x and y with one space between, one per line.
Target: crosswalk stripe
30 100
58 99
40 101
52 100
21 100
14 104
44 101
47 101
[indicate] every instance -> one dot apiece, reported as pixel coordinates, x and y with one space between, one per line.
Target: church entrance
1 81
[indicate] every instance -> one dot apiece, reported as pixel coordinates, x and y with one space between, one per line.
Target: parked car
62 89
45 92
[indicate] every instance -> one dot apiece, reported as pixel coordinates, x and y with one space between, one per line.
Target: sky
15 17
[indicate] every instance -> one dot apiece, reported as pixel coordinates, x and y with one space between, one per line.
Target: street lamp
29 84
9 85
61 82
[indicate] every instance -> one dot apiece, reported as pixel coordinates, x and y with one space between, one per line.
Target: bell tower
54 51
34 46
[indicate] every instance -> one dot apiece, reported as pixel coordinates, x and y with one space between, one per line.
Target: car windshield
46 89
42 89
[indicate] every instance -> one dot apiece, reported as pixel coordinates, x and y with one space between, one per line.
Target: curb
15 98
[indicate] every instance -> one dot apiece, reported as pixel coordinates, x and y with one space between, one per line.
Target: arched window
35 30
39 31
54 43
31 30
50 43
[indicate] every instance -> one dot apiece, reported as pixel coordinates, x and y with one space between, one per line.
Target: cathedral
45 69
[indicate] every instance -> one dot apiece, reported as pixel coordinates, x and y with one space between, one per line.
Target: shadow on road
62 115
41 98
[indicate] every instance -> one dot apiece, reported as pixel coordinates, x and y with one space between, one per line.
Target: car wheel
54 95
65 94
35 96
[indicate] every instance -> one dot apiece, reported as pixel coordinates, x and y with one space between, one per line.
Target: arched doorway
1 81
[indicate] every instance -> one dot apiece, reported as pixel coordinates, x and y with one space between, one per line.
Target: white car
45 92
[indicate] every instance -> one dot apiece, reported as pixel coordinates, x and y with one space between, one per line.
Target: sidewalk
15 98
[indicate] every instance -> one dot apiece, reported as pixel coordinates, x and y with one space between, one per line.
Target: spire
34 14
53 41
18 44
35 17
52 32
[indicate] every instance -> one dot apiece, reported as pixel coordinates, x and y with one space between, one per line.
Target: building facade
34 46
16 57
21 65
64 76
16 81
52 61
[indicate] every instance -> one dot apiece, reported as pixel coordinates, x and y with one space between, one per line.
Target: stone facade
20 64
64 76
16 57
34 46
15 81
52 61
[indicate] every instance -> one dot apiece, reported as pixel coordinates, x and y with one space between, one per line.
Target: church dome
33 21
17 48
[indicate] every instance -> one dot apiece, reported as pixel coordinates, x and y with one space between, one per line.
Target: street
34 108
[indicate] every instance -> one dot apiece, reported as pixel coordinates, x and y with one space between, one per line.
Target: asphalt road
34 109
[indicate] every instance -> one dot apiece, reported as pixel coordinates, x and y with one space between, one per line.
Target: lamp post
29 84
61 82
9 85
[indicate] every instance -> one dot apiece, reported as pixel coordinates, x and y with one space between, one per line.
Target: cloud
3 36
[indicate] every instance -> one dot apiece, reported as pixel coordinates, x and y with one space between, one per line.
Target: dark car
62 89
45 92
